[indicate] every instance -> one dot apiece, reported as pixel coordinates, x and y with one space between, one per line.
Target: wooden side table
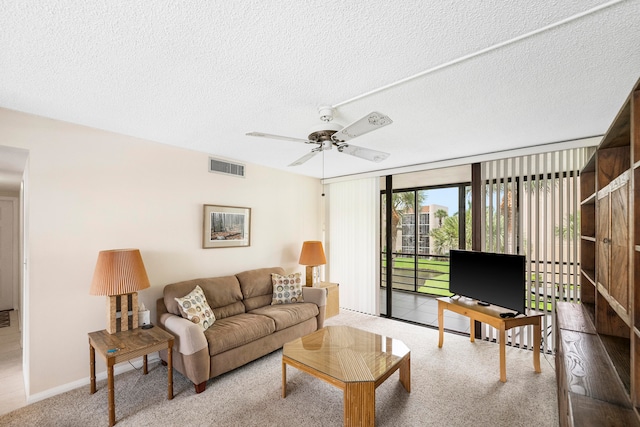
491 316
127 345
333 299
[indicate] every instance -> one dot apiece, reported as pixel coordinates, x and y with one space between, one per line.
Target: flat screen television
491 278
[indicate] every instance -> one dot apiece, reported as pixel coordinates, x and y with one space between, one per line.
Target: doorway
13 166
9 283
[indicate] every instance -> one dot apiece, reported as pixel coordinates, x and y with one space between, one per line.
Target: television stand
491 316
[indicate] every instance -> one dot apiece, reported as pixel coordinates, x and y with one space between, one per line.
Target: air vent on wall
221 166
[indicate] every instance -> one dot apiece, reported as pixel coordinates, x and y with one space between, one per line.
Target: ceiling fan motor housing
323 132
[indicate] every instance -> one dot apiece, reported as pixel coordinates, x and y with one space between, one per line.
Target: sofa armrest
189 336
317 296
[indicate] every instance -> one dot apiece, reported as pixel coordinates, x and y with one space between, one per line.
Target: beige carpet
457 385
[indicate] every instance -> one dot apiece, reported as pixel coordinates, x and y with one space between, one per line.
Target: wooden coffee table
353 360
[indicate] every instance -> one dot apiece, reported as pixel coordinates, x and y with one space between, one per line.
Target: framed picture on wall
226 227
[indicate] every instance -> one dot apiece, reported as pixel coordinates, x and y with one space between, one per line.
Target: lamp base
120 304
312 275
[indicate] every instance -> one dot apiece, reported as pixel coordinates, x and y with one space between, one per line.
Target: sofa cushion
256 286
222 293
194 307
234 331
287 289
286 315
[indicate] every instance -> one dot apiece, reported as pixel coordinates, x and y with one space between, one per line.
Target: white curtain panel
354 243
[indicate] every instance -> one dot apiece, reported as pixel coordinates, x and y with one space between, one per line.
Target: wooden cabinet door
619 268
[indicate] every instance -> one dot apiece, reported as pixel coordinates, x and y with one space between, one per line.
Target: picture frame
226 227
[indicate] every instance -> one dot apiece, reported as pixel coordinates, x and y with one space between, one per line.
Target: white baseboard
117 370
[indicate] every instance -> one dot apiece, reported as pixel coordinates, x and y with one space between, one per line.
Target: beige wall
90 190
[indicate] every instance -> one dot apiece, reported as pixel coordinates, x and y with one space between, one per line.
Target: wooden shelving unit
600 348
588 233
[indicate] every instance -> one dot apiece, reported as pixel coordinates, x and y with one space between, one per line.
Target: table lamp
312 256
119 274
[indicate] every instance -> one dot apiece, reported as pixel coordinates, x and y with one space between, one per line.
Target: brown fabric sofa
247 326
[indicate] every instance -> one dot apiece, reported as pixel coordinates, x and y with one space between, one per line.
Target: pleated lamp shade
118 272
312 253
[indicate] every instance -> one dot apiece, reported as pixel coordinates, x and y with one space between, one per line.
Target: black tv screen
497 279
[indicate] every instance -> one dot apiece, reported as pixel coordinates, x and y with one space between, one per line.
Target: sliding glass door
425 224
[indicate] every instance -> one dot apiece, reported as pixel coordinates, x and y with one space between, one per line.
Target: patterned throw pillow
194 307
286 289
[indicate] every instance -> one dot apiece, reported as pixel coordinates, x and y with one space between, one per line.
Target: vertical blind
353 242
531 207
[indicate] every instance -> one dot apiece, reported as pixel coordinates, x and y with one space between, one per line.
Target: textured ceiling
493 75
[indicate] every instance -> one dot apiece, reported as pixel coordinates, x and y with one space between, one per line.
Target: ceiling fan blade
285 138
368 123
304 158
363 153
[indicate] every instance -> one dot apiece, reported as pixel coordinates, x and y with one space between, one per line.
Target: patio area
422 309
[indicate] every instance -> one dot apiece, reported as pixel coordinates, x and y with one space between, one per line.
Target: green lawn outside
546 305
438 285
423 264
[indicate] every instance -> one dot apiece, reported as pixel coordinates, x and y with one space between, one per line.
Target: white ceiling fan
327 134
